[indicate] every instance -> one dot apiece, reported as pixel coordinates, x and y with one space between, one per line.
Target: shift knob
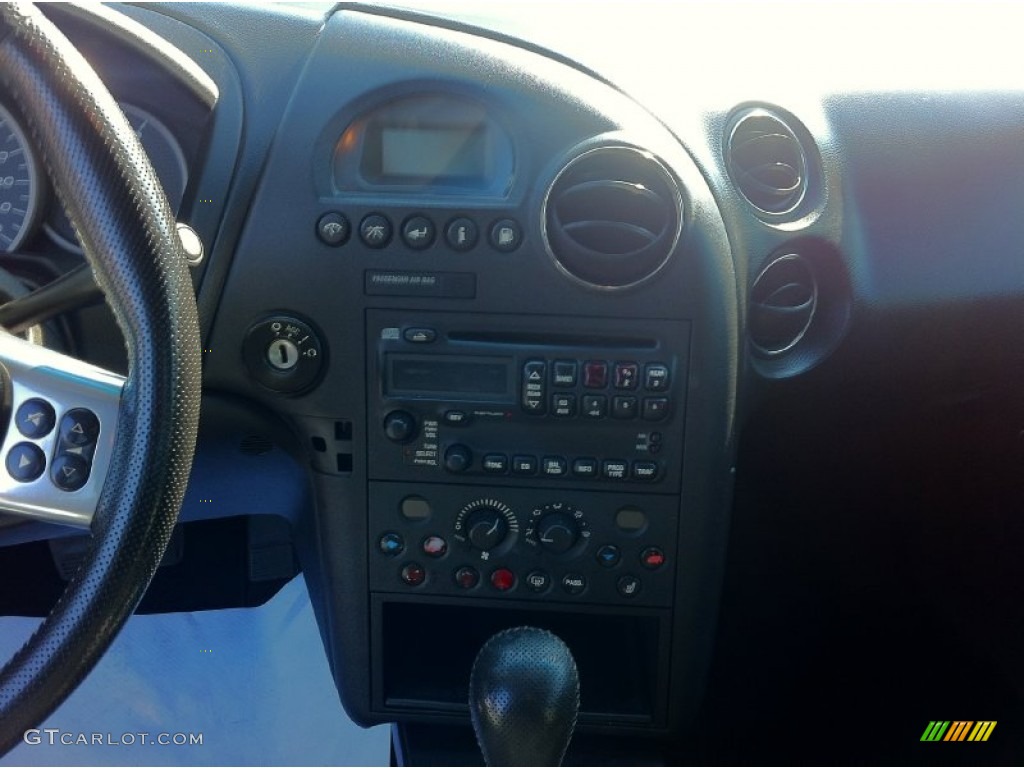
524 695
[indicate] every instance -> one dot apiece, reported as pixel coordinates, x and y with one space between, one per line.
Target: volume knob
399 426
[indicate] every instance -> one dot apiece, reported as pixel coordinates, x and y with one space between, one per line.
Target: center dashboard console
510 349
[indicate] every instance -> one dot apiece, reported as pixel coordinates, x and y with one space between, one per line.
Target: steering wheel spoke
60 433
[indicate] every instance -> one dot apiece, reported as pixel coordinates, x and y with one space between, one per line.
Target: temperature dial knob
284 353
487 525
557 528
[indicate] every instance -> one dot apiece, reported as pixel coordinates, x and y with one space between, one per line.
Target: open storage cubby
426 653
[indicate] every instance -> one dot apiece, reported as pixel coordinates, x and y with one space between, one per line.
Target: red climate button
652 558
503 579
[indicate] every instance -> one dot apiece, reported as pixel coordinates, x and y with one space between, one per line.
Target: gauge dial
165 155
21 186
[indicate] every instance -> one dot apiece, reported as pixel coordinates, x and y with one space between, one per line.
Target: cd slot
537 339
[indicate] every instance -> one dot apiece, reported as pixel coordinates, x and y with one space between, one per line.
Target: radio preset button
553 466
534 394
565 373
656 377
400 426
626 375
624 407
585 468
420 335
595 406
496 463
458 458
615 469
563 405
595 374
655 408
524 465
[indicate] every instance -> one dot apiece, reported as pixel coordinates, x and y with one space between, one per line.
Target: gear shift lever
524 694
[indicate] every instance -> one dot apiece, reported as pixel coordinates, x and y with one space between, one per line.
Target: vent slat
612 217
782 305
766 161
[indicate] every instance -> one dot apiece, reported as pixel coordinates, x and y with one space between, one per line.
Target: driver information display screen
435 152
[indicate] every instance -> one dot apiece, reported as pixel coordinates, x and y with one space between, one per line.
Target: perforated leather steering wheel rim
128 234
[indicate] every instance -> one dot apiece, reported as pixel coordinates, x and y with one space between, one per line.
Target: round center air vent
766 162
612 217
782 304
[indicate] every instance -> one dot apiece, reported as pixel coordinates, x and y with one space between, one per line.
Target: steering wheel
82 445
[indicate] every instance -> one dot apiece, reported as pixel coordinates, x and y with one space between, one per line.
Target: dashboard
529 333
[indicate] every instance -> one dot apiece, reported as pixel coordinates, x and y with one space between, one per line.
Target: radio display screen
449 377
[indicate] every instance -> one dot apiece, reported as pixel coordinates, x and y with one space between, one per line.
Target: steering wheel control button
574 583
69 472
434 546
418 232
563 405
503 579
631 520
79 427
420 335
616 469
595 374
35 418
375 231
534 372
462 234
333 229
391 544
506 235
652 558
655 408
595 406
624 407
467 577
585 468
537 582
645 471
564 373
553 466
400 426
626 375
495 463
656 377
284 354
524 465
413 574
608 556
26 462
628 586
458 458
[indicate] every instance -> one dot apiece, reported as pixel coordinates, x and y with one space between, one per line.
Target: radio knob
399 426
458 458
487 528
557 532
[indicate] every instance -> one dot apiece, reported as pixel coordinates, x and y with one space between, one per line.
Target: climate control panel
524 544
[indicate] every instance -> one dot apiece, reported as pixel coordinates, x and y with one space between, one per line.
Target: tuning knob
458 458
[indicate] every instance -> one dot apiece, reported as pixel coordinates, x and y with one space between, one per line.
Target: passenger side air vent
782 305
612 217
766 162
